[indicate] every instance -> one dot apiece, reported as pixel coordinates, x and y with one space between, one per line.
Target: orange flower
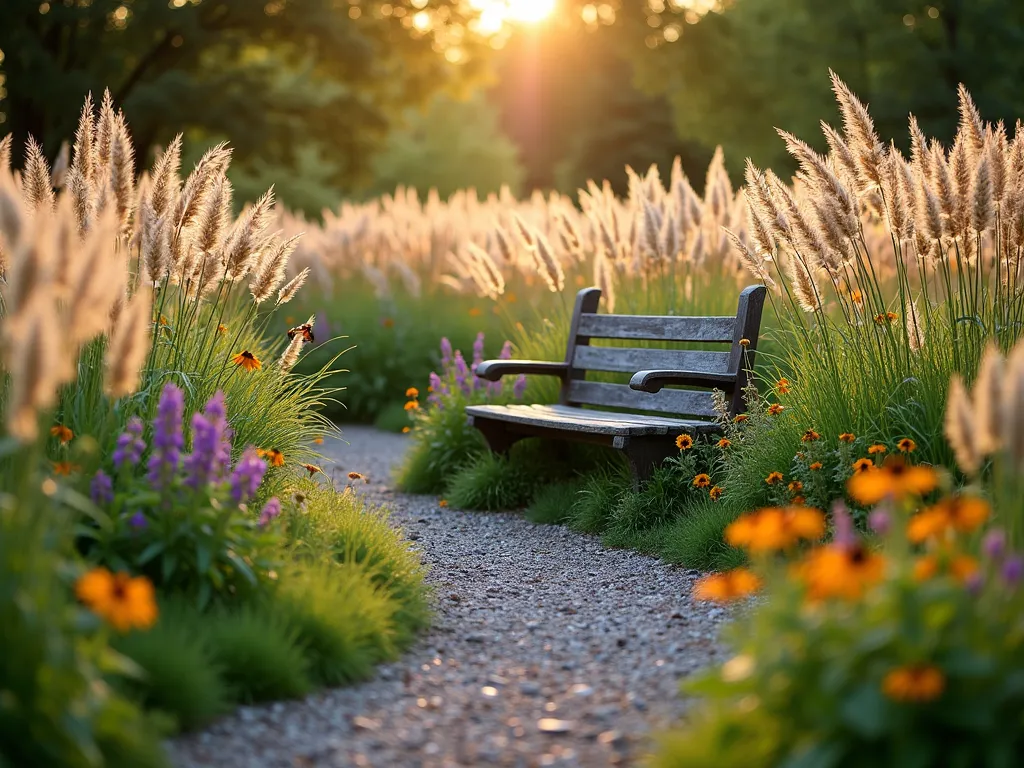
863 465
782 386
353 476
312 469
906 445
962 514
716 493
775 409
774 478
273 456
247 360
895 478
774 528
858 297
684 442
64 467
847 437
810 436
877 448
119 599
840 571
744 342
475 312
412 393
925 567
387 322
815 466
412 405
730 585
886 317
406 430
222 329
960 567
915 683
740 418
795 487
701 481
798 501
62 433
318 440
724 443
443 503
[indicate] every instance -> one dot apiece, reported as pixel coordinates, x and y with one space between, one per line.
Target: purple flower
1013 570
462 374
843 534
506 351
438 390
478 350
994 544
248 475
974 583
138 521
168 439
879 521
446 353
519 388
130 444
270 510
211 447
101 489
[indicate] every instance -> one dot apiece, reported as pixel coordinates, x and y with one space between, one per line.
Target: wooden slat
569 419
632 360
657 328
682 401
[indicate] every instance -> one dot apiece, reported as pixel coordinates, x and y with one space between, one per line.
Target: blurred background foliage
348 98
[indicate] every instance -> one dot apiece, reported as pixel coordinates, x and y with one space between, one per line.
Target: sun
495 14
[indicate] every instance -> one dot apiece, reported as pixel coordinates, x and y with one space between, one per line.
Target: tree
731 76
452 145
272 75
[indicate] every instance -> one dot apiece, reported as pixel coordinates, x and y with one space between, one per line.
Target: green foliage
344 620
695 539
770 58
491 482
265 78
178 675
56 710
552 504
420 153
600 494
260 655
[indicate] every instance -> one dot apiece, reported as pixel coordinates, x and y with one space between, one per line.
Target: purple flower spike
101 489
843 525
975 583
130 444
519 388
270 510
462 374
438 390
138 521
1013 570
446 353
211 444
994 544
879 520
248 475
506 351
478 350
168 439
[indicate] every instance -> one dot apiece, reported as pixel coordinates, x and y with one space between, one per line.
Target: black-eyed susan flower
442 503
961 514
906 445
724 443
727 586
406 430
684 442
715 493
775 409
895 479
877 448
782 386
64 468
775 528
354 476
774 478
795 487
702 481
273 456
810 436
914 683
247 360
222 329
744 342
814 466
863 465
62 433
740 418
412 393
412 405
119 599
840 571
847 437
313 469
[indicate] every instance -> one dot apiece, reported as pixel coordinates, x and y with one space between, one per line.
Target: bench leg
645 456
499 439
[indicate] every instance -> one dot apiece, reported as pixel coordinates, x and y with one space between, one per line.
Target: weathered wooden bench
646 439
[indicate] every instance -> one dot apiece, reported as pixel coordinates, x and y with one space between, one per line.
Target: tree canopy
272 75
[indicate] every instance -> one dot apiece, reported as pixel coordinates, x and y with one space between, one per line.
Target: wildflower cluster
697 464
186 524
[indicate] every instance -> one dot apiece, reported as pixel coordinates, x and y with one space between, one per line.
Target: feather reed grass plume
5 153
32 355
270 271
290 356
292 287
129 344
36 182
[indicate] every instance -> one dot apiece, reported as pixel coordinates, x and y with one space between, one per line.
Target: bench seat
567 418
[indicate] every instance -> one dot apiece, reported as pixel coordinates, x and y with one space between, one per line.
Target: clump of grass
259 653
442 444
599 495
660 499
647 541
552 504
695 539
179 676
491 483
392 418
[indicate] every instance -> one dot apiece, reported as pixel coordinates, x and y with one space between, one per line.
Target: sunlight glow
495 14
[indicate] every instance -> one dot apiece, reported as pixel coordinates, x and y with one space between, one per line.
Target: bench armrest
653 381
492 370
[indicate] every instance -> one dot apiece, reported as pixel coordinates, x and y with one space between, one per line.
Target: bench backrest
587 325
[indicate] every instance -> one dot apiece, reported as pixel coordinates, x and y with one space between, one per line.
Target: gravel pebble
547 649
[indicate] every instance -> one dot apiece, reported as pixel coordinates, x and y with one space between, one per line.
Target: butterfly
306 329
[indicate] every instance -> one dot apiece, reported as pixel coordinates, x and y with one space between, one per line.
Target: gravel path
547 650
